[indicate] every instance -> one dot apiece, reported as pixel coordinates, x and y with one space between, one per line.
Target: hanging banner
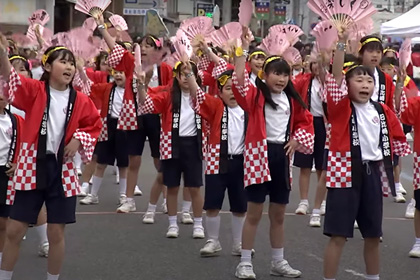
280 12
262 9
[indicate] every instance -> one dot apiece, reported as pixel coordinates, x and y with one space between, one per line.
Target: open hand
71 148
10 172
291 147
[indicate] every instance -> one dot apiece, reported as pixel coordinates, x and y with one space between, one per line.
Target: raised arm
338 60
5 66
105 34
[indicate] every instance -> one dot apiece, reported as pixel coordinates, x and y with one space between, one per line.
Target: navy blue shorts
417 198
233 181
150 128
407 128
395 160
4 180
60 209
278 188
188 164
115 148
325 163
306 161
362 204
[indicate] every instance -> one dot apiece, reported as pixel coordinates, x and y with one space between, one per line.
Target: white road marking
355 273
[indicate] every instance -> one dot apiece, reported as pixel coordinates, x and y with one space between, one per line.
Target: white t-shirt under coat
375 95
276 120
56 119
117 102
6 130
368 125
236 131
187 125
316 103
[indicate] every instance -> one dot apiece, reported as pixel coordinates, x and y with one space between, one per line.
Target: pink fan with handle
22 40
45 32
325 34
231 30
93 8
292 56
342 13
118 22
40 17
197 28
137 59
405 53
245 12
90 24
291 31
275 43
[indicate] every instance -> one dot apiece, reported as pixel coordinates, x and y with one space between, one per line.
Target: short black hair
376 44
389 61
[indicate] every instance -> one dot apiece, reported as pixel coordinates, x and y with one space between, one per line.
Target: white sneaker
173 232
402 190
198 232
245 270
127 206
399 198
164 208
91 180
323 207
122 199
302 208
149 218
237 250
186 218
415 251
411 209
117 179
89 199
211 248
283 269
43 249
315 220
137 191
83 191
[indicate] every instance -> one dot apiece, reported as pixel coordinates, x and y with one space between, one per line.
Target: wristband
341 46
101 26
400 85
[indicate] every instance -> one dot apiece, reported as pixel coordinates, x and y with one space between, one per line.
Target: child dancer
67 122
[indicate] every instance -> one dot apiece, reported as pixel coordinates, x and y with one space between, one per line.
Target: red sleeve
121 60
19 121
245 94
96 76
166 74
156 100
400 145
411 115
301 84
97 94
206 105
303 128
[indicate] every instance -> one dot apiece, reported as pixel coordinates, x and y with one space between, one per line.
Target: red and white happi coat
339 170
256 152
411 115
84 125
159 101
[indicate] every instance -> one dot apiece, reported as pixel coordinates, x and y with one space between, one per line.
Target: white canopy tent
406 25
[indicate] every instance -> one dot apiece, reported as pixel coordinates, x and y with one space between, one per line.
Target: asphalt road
104 245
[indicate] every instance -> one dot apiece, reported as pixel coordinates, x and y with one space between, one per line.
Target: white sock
151 208
164 201
186 206
85 186
130 199
277 254
117 170
246 255
237 225
198 222
6 275
213 227
52 277
123 186
397 187
417 241
329 278
316 211
96 185
304 201
42 233
372 277
172 221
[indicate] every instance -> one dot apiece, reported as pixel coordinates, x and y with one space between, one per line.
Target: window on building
379 6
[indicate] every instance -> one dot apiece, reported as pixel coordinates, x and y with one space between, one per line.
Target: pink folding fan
291 31
325 34
231 30
405 53
93 8
275 43
246 8
197 28
292 56
118 22
40 17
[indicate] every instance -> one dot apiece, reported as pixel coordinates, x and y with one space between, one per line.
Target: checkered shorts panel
25 174
165 145
128 116
416 166
87 145
256 163
103 136
10 194
69 179
339 170
213 159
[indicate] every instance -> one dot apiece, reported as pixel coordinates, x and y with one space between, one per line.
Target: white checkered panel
243 90
203 63
401 149
306 141
10 194
70 179
416 166
336 92
25 174
339 170
195 103
14 83
148 107
103 136
165 145
213 159
128 116
115 56
88 145
328 137
219 69
256 163
386 188
84 85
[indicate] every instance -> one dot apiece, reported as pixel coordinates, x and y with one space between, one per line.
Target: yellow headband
223 79
177 65
348 64
17 57
369 41
389 50
268 60
351 68
255 54
46 56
